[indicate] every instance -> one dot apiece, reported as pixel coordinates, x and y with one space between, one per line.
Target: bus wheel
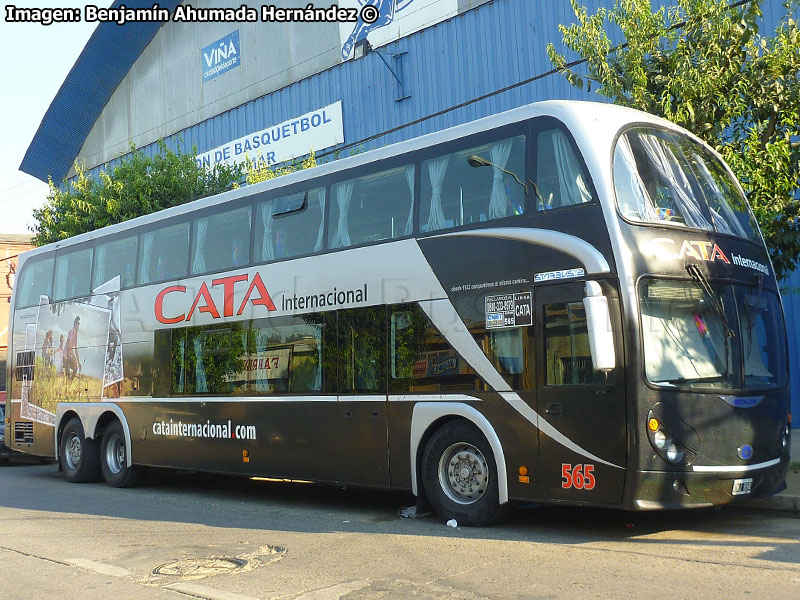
78 455
114 459
460 476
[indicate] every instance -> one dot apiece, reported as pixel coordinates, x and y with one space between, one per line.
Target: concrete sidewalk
788 499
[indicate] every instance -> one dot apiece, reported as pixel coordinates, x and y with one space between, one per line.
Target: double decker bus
566 303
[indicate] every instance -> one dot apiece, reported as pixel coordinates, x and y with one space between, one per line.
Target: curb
778 502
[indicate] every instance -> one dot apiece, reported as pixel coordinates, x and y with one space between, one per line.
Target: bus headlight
674 453
786 436
664 443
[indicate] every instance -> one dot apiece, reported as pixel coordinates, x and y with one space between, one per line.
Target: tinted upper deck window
476 184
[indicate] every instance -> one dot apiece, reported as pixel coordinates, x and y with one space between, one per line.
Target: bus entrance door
582 441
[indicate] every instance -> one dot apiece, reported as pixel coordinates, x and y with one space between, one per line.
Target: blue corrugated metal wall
497 45
489 48
790 288
492 47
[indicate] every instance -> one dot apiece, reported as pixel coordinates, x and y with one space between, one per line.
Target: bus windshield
666 178
692 341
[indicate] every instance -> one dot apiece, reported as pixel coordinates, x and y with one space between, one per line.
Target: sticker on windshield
508 310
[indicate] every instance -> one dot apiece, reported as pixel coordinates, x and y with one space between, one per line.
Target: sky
37 59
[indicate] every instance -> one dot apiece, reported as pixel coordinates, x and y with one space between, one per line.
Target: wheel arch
94 417
428 417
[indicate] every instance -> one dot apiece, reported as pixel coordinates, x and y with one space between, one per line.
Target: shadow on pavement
241 503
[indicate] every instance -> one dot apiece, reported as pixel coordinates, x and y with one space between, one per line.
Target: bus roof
602 119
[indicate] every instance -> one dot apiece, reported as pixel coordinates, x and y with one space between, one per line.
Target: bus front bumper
659 490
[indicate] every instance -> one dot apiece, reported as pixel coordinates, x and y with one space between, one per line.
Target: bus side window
568 359
116 258
73 274
560 178
164 253
375 207
283 231
362 350
480 183
421 360
293 355
221 241
507 349
213 360
34 281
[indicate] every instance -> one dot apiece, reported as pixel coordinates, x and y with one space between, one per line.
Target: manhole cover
200 567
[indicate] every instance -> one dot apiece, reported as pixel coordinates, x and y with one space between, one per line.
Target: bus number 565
580 477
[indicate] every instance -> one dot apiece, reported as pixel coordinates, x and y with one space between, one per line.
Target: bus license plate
742 486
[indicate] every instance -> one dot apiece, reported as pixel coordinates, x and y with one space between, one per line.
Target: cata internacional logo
396 18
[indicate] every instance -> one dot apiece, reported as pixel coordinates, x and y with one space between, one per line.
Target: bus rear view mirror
598 320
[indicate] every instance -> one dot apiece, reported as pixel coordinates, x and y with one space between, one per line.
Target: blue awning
104 62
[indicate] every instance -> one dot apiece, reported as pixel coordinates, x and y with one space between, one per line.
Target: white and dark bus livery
566 303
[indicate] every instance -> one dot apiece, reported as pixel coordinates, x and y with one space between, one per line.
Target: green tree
703 65
258 170
137 186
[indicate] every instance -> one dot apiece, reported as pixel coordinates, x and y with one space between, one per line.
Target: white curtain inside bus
498 200
267 247
410 180
344 193
437 168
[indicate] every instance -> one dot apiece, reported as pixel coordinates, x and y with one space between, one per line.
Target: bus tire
459 474
78 455
114 459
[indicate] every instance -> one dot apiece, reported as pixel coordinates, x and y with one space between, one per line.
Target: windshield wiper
691 380
697 275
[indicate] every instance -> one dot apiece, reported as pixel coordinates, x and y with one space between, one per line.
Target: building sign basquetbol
315 130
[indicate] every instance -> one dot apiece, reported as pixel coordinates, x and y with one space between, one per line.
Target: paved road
188 536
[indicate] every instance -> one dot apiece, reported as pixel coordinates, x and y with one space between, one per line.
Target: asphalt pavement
787 500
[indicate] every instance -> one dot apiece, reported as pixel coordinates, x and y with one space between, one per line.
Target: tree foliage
703 65
137 186
258 170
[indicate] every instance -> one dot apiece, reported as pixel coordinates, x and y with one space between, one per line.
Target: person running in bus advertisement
58 357
72 359
47 348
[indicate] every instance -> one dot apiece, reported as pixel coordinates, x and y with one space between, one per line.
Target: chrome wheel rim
115 454
74 449
463 473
